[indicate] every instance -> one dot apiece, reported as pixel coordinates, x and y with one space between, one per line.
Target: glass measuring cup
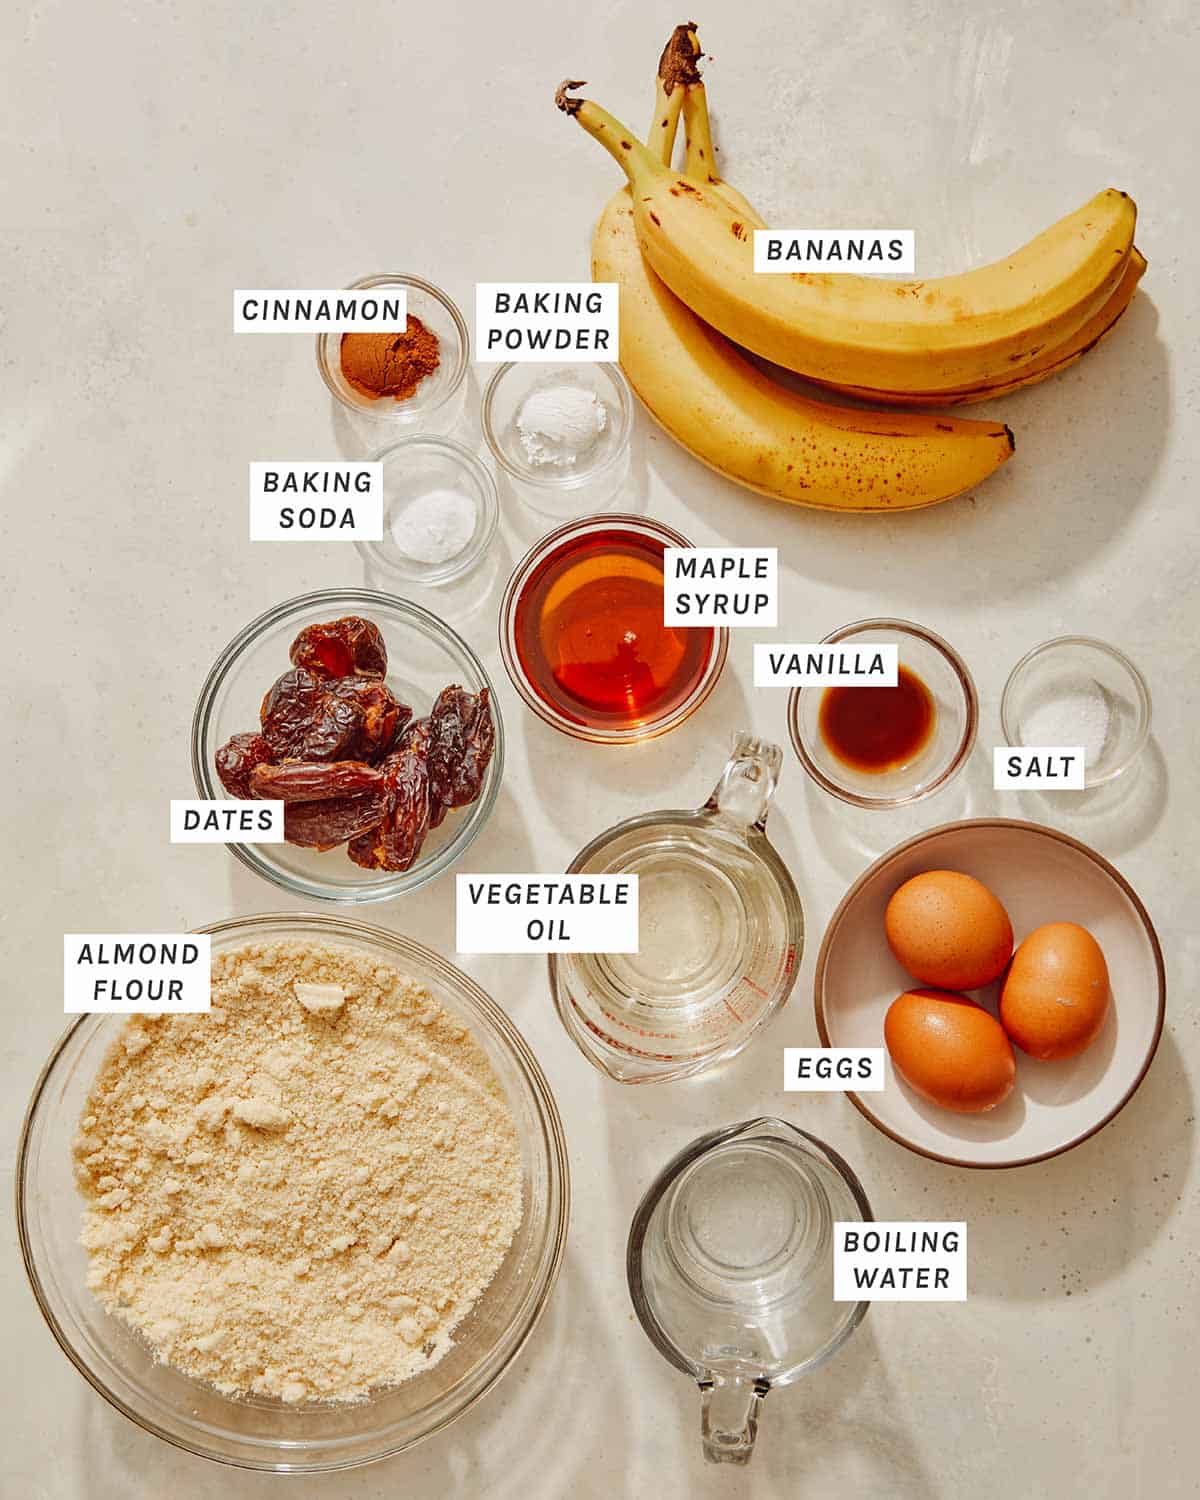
721 933
730 1267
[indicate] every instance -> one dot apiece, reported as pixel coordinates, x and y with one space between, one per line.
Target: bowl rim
532 1307
428 575
966 741
1058 836
659 531
358 894
1140 686
399 410
565 480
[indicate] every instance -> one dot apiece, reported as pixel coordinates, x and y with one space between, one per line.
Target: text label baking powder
546 322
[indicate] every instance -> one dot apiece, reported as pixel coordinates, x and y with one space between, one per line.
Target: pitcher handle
729 1417
743 793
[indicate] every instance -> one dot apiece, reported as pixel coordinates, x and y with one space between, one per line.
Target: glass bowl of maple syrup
886 746
583 638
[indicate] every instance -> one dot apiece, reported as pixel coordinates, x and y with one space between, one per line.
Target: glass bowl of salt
1077 692
439 511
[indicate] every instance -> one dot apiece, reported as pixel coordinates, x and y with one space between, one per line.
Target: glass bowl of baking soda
439 511
561 433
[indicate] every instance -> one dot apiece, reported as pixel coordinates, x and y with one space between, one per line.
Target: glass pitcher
730 1267
721 932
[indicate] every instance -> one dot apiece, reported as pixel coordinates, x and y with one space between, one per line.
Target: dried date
306 718
396 842
462 740
314 781
237 760
324 825
348 647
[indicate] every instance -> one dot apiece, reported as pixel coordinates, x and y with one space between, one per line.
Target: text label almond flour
136 973
899 1262
547 913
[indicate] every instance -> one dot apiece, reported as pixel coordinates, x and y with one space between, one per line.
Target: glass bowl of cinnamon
413 378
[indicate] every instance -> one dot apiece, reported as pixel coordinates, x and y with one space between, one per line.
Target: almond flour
303 1192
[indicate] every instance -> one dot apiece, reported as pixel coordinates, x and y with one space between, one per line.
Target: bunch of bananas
680 246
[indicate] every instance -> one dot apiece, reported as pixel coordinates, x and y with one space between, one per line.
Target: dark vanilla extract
878 729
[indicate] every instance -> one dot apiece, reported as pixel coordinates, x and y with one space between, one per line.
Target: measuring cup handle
729 1418
747 784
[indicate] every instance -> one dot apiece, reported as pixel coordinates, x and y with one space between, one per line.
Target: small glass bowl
645 729
1066 669
437 402
553 489
256 1432
413 467
943 672
424 656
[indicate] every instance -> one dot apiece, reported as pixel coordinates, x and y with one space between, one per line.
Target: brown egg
1055 997
949 930
950 1050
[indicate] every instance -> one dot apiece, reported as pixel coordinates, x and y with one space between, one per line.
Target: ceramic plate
1041 876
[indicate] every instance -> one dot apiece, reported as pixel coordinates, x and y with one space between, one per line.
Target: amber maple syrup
589 633
878 729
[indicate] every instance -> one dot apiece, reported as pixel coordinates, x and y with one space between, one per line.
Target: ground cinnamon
390 364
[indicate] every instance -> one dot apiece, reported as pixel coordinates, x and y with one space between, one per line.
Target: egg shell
950 1050
949 930
1056 995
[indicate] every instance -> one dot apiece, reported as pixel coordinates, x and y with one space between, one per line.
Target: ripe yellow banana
958 331
720 406
1050 362
700 163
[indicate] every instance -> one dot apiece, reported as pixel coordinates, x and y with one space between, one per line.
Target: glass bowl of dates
376 727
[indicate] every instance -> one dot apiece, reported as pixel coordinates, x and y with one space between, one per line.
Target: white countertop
157 156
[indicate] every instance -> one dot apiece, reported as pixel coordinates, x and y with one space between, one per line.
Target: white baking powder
560 424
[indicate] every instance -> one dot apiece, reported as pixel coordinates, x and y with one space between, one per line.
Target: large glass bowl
254 1432
424 656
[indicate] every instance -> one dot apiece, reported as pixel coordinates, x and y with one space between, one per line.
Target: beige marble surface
155 156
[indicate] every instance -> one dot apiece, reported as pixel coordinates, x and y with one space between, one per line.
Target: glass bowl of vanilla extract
886 746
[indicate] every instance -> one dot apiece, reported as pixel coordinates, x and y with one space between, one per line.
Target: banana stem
700 161
635 160
660 138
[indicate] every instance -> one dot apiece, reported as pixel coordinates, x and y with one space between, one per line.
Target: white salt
1079 713
435 526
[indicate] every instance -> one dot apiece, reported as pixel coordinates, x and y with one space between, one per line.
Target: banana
718 405
959 331
700 163
1051 362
